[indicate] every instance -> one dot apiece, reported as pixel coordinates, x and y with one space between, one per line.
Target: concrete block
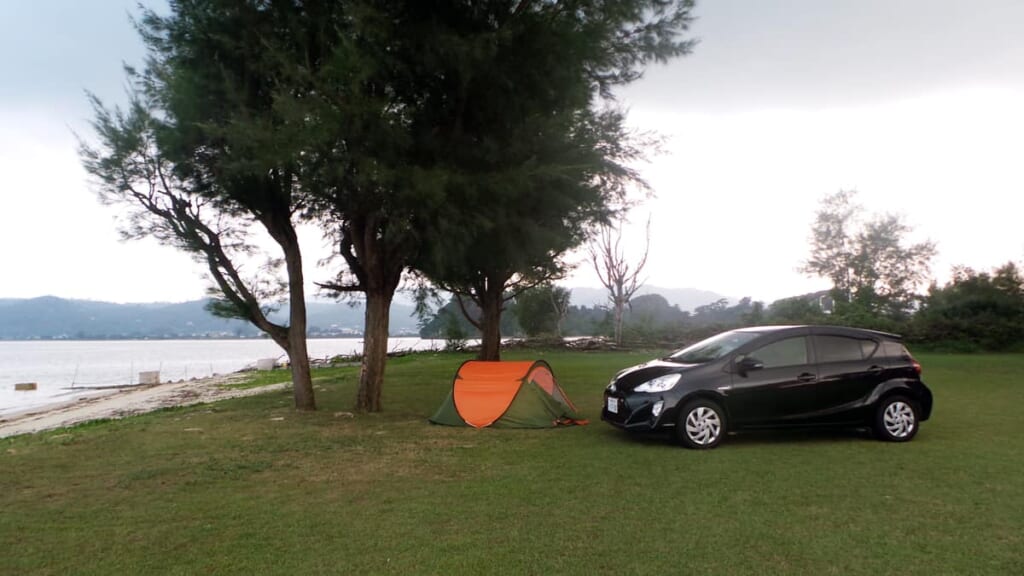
149 377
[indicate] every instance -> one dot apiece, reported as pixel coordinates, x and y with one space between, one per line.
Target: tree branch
462 306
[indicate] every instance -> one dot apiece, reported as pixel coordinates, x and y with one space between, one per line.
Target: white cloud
737 192
57 238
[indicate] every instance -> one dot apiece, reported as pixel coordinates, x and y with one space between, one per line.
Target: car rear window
843 348
896 350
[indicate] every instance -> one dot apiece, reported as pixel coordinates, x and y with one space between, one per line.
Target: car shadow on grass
799 436
752 437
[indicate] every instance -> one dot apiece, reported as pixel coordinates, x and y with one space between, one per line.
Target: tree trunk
619 312
298 356
490 325
559 314
377 266
375 350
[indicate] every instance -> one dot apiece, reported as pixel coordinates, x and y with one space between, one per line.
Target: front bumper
635 412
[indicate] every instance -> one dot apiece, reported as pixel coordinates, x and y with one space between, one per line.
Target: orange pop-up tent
506 395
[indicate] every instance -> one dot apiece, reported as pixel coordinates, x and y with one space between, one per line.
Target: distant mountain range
685 298
49 317
53 318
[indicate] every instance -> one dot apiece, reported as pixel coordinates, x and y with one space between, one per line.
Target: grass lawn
250 486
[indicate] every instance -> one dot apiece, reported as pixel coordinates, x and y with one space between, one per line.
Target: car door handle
806 377
876 369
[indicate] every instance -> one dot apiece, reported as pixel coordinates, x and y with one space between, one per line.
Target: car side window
868 348
787 352
843 348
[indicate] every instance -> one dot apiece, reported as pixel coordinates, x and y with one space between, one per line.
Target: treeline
649 319
973 312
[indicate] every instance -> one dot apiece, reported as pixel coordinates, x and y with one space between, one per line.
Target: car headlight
659 384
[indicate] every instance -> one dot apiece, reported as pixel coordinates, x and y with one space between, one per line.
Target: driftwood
584 343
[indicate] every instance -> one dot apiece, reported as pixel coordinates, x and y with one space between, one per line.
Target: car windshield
713 348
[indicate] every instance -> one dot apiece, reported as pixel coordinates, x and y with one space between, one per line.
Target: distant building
826 303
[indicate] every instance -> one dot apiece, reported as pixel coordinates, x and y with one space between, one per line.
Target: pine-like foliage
526 133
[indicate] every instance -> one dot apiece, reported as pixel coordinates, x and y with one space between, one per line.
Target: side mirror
748 364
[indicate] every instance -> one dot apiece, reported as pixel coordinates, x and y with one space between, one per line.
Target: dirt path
126 402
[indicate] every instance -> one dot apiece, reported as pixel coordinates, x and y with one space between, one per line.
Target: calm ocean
66 369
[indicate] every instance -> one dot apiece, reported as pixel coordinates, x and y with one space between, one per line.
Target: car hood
634 376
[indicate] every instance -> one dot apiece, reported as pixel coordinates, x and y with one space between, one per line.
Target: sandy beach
127 402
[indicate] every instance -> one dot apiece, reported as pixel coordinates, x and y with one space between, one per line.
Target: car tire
897 419
701 425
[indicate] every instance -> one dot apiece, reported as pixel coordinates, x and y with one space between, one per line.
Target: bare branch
339 288
620 279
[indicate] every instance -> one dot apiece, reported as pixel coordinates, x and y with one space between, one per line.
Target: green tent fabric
506 395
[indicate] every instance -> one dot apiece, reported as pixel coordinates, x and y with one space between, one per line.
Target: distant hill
684 298
49 317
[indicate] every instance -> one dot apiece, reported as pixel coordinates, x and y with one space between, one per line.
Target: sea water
67 369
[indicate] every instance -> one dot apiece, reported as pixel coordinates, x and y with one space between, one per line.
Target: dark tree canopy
542 309
452 319
533 149
975 311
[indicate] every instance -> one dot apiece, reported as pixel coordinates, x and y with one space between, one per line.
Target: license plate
613 405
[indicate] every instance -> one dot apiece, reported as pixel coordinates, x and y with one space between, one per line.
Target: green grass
250 486
261 378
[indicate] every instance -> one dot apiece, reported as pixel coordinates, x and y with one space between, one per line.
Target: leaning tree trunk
298 355
375 350
490 325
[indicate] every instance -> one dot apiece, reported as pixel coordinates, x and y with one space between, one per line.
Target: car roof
767 328
824 329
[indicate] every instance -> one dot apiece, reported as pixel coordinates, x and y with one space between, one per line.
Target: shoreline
225 338
122 402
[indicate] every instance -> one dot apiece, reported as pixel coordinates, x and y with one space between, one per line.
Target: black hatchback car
774 376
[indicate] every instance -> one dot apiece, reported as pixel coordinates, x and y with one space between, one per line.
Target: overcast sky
916 104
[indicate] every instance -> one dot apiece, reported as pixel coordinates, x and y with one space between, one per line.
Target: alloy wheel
899 419
703 426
